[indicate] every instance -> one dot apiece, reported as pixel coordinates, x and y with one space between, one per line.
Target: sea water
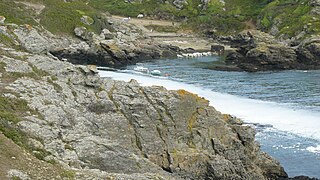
284 106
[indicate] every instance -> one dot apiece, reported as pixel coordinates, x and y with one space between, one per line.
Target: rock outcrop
257 51
102 128
123 44
308 52
117 45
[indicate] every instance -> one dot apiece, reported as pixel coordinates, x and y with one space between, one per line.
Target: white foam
301 122
314 149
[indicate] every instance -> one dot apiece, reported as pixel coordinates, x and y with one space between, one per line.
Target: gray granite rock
122 128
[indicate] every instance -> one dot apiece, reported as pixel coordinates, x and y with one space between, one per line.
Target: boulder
219 49
80 32
87 20
180 3
107 34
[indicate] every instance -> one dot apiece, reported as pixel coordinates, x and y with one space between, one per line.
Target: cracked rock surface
103 128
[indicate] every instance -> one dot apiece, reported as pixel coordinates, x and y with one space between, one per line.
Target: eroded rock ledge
102 128
257 51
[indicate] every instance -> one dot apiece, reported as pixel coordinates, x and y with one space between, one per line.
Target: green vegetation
35 74
68 174
120 7
7 40
58 16
12 108
290 16
16 13
61 17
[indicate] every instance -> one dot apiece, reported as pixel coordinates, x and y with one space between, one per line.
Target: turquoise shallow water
283 106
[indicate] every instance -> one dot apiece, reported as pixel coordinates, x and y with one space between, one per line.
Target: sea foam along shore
300 122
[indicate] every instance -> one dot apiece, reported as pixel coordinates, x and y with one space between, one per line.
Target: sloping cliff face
101 128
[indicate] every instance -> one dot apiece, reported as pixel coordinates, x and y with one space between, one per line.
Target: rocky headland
258 51
60 120
101 128
87 127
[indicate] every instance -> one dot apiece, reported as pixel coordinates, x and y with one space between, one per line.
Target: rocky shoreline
99 128
122 44
258 51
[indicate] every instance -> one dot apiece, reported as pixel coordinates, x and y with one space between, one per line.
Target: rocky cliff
47 26
257 51
100 128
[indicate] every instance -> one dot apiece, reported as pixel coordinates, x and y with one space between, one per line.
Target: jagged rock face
261 52
269 57
123 128
36 41
309 52
120 46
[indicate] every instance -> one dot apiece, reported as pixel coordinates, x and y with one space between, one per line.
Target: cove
283 106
